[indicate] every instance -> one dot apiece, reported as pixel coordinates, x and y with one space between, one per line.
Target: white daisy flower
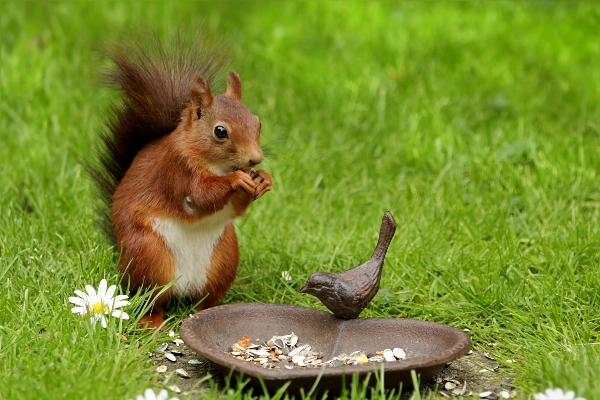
556 394
150 395
286 276
98 304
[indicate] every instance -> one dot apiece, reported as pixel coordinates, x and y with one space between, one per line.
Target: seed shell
399 353
161 368
164 347
388 355
182 372
174 388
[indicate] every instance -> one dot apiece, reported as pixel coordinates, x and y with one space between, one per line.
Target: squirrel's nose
255 159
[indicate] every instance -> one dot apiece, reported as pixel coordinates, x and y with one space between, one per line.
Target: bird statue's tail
386 233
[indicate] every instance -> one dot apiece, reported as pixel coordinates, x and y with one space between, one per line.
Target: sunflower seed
170 357
297 350
293 339
237 347
163 347
178 352
360 359
298 359
174 389
388 355
450 386
182 372
194 362
464 389
260 353
399 353
178 342
161 368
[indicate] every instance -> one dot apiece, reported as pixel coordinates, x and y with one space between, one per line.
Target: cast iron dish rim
220 357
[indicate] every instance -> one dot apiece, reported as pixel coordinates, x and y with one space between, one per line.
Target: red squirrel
176 170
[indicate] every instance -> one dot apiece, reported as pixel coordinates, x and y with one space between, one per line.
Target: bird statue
347 293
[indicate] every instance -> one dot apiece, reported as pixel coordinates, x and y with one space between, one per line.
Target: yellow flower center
97 308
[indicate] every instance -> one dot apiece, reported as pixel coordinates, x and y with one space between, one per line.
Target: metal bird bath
429 346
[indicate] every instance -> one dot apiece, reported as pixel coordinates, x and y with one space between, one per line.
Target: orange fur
187 175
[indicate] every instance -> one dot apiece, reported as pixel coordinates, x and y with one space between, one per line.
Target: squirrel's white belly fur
192 245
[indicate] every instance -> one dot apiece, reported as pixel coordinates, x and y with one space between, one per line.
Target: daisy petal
111 291
79 310
149 394
102 289
120 314
103 321
91 293
119 304
77 300
162 395
81 294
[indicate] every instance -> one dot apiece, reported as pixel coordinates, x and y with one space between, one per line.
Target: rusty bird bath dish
429 346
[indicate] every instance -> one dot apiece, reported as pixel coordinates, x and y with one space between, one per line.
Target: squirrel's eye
221 132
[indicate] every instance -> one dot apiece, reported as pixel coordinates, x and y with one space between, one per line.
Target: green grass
476 123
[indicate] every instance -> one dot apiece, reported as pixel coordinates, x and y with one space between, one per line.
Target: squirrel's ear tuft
200 96
234 86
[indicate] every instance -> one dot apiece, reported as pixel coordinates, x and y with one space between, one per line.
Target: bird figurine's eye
221 132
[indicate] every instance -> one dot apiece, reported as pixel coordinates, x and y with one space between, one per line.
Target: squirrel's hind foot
153 320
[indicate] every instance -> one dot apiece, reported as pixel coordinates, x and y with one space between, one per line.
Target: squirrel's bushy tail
154 81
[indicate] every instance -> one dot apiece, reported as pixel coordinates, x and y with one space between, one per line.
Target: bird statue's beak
304 289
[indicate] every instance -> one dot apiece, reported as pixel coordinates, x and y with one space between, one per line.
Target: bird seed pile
286 351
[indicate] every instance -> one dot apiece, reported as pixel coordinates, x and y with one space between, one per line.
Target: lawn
477 124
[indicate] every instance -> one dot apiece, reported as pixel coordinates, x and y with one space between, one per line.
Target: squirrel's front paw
263 182
243 181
